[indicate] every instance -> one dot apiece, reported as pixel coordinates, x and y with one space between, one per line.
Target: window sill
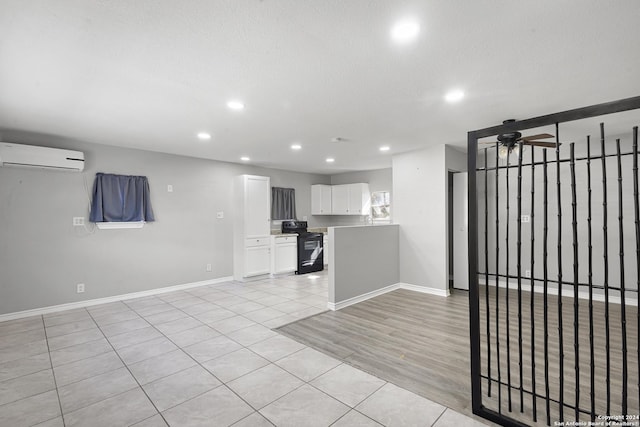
119 225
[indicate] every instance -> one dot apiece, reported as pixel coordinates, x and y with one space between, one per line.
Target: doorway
458 228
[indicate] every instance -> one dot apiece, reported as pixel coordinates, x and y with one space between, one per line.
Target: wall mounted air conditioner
40 157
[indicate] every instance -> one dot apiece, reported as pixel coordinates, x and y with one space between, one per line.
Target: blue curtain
120 198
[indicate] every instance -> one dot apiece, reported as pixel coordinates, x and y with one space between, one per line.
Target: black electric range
310 250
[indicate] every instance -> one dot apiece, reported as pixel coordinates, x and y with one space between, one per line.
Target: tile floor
201 357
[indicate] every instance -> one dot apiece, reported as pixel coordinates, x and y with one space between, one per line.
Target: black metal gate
553 299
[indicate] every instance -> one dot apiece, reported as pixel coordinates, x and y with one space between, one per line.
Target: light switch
220 215
169 188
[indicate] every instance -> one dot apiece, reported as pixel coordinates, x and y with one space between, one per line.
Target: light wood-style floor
421 342
417 341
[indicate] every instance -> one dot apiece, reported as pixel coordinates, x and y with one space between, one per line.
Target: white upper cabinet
359 199
340 200
320 199
350 199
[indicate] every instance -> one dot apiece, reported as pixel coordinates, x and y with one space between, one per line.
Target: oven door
310 253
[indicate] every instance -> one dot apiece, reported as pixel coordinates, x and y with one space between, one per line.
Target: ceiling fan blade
539 136
488 142
541 144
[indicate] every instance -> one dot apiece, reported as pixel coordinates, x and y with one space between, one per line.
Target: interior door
460 232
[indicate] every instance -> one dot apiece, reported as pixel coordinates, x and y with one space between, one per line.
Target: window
120 198
283 203
381 206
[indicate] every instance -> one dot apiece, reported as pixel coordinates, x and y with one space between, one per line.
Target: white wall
420 208
43 256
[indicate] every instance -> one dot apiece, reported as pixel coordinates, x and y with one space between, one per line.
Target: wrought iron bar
585 285
564 116
606 266
629 153
474 297
590 279
637 221
574 226
567 405
532 320
506 267
560 332
551 399
486 269
545 255
623 311
519 269
498 286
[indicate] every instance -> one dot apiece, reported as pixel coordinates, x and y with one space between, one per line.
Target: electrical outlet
80 288
169 188
78 221
220 215
527 273
525 218
208 267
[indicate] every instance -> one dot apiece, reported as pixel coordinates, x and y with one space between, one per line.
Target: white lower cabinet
257 260
285 254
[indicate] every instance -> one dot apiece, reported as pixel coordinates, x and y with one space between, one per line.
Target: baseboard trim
424 289
613 299
360 298
105 300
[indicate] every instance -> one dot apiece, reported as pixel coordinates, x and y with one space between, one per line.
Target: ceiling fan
508 143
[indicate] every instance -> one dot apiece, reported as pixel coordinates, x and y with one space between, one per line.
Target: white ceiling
150 74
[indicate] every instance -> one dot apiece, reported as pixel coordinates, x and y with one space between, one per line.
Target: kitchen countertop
280 233
317 230
277 232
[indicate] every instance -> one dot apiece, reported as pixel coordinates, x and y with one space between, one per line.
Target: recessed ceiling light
245 158
405 31
385 148
235 105
454 95
204 136
330 160
296 146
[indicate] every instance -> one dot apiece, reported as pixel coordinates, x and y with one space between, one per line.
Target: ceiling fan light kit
509 143
504 151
